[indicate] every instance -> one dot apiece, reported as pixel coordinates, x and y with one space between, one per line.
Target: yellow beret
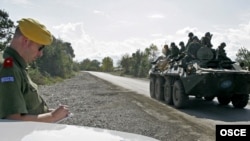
35 31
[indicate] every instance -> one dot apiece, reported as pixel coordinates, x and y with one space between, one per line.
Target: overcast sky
101 28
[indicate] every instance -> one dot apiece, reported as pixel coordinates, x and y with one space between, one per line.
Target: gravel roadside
97 103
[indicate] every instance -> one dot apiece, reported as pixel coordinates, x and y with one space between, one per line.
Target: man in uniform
166 50
19 99
206 40
190 38
162 61
182 47
174 51
193 47
221 53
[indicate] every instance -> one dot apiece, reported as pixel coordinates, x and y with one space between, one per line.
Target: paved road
201 109
138 85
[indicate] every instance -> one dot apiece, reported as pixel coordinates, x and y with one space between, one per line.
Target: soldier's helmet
172 44
190 34
207 34
165 46
181 43
223 44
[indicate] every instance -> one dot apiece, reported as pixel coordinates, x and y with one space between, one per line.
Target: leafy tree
69 50
107 64
243 56
125 63
85 64
56 60
152 52
138 64
145 64
90 65
6 29
94 65
76 66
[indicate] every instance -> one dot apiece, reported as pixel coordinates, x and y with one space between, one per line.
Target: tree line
57 60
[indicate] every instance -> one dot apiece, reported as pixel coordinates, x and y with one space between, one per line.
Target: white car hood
36 131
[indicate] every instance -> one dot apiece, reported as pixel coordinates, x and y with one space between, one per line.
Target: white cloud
235 39
86 46
72 31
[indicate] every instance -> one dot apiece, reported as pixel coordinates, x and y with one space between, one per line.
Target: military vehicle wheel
224 100
240 101
208 98
180 99
168 96
152 86
159 88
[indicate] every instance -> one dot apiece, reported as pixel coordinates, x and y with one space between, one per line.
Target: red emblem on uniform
8 63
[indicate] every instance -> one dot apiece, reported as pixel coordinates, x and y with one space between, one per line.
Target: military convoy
175 81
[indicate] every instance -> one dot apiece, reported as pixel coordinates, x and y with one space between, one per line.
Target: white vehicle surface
37 131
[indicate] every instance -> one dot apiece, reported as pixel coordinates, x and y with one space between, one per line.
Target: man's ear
25 41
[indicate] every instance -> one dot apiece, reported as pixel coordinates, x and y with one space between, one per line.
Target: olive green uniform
174 51
18 94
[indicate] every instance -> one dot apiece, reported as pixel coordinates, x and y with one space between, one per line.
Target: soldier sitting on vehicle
182 47
205 55
162 61
221 57
206 40
192 50
221 53
190 38
182 51
174 51
193 47
166 51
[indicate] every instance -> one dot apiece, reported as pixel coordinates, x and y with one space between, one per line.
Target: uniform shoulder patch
8 62
7 79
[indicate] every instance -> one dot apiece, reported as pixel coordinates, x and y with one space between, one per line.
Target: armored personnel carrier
174 81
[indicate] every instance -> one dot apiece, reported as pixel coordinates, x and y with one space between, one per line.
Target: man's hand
60 113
